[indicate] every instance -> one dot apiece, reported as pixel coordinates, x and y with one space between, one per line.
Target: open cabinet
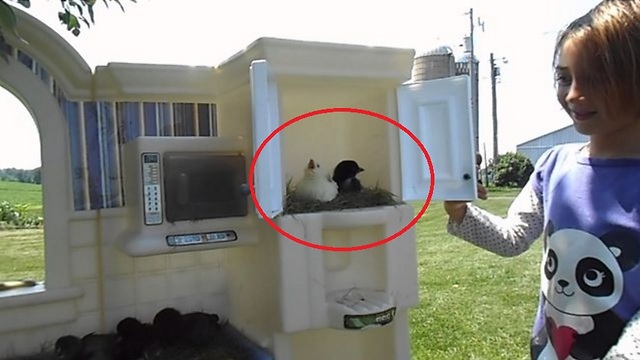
314 321
437 112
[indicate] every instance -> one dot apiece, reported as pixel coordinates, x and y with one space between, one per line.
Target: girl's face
573 90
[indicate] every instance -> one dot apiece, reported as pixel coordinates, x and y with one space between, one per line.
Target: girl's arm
628 346
508 236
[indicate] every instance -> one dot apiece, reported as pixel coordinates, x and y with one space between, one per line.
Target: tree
21 175
37 175
512 170
72 14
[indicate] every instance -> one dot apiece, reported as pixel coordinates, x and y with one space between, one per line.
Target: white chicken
315 185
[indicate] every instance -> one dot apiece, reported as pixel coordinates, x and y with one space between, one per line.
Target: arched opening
38 102
41 74
21 210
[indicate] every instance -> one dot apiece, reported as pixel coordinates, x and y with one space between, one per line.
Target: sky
206 32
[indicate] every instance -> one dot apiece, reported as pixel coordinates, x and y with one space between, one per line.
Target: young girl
582 200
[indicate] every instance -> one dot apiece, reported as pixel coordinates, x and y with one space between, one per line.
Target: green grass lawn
22 251
473 304
22 255
22 193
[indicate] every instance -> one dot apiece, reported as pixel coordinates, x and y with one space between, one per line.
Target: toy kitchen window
200 186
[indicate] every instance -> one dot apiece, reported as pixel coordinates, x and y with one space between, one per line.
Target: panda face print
581 275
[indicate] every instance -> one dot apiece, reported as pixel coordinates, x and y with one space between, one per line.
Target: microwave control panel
204 238
151 191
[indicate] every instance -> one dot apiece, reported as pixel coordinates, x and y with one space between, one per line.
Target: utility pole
472 65
473 76
494 74
486 165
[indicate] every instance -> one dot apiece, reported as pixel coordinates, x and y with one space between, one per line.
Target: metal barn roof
535 147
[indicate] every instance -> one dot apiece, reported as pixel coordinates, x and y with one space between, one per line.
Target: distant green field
22 251
22 193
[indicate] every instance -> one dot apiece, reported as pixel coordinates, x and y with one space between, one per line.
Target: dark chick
135 338
199 328
167 326
68 347
99 346
344 175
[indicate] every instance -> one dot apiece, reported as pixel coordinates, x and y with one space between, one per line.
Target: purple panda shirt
590 278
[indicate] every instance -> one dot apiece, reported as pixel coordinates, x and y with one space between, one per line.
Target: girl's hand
457 209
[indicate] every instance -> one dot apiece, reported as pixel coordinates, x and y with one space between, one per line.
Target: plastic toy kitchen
152 204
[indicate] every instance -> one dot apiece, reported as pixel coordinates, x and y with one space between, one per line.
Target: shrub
513 170
16 216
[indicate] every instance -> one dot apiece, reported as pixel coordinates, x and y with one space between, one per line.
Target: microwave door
183 189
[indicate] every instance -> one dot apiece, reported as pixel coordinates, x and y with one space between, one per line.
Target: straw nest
368 197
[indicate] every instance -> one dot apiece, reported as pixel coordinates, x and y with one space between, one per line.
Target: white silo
433 64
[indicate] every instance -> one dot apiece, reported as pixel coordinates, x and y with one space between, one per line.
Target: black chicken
344 175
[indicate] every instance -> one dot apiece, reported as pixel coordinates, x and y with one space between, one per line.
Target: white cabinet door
438 113
265 109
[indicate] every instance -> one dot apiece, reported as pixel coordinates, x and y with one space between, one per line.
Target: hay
368 197
208 352
224 346
45 355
